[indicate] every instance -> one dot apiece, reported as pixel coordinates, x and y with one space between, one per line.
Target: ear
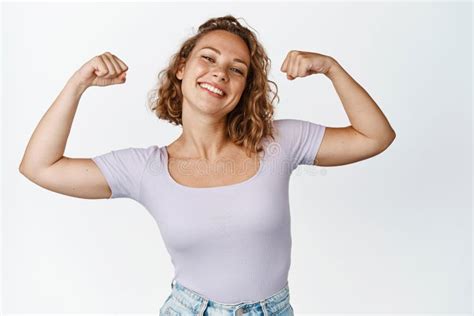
180 72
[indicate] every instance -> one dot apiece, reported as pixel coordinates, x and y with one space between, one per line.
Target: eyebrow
218 51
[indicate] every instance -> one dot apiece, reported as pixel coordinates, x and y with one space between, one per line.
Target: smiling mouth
212 93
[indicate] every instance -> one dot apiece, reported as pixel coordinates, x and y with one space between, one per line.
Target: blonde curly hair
252 118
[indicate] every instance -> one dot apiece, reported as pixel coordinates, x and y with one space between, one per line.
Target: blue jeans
185 302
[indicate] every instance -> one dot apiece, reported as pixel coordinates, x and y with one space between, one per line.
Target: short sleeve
300 139
123 169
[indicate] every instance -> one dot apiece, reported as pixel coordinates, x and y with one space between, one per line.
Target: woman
219 192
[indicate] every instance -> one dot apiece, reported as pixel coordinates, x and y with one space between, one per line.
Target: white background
391 234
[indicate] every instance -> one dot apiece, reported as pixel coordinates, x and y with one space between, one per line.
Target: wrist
77 85
334 68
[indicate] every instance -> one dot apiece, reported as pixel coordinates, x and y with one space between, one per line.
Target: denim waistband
198 303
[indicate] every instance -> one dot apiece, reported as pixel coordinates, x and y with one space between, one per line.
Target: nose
220 74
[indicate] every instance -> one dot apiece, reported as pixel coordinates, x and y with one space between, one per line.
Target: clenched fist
103 70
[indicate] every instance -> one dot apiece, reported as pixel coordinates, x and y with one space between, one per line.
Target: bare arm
370 132
44 162
47 144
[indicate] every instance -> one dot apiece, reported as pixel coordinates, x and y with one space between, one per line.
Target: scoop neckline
221 187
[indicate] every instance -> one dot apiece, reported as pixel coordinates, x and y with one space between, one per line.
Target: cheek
201 65
243 87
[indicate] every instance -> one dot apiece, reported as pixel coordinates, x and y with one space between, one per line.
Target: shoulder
291 130
290 125
299 140
123 169
129 157
136 154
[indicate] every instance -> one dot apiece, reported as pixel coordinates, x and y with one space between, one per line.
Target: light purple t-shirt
228 243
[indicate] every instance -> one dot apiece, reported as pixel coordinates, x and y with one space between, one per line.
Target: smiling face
222 60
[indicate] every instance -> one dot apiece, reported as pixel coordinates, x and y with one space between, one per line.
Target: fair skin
44 162
210 158
203 114
370 132
203 137
368 135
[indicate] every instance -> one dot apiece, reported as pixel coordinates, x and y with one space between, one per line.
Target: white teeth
211 88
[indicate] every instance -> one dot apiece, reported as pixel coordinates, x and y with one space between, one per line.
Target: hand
302 64
102 70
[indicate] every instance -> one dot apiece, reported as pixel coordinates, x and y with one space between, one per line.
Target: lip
215 86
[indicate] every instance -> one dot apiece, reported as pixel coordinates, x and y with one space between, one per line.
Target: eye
211 59
207 57
239 71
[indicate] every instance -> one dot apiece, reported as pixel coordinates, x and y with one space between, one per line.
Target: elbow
21 168
392 137
24 169
387 141
24 172
23 165
27 173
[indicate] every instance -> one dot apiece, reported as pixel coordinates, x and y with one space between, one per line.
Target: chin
207 108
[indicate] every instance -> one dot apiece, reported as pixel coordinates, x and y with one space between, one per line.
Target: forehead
226 43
